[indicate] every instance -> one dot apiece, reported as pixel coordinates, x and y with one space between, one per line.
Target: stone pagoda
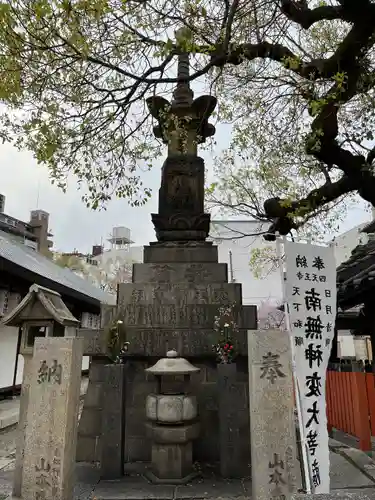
176 293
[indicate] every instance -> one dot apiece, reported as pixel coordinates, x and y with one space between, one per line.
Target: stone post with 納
41 313
52 420
272 427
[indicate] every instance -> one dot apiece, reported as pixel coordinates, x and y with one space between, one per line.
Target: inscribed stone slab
95 342
273 443
190 342
51 432
181 295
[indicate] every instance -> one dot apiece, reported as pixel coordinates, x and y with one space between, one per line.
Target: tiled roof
357 273
33 261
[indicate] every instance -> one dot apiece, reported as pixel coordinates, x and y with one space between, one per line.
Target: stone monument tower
179 288
176 293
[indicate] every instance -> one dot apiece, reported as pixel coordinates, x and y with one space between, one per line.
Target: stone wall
90 423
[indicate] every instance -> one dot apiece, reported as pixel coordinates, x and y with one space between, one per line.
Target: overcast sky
72 224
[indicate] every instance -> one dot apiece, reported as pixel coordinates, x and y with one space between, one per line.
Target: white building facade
236 241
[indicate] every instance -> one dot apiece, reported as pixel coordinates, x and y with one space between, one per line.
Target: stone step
182 272
166 254
139 489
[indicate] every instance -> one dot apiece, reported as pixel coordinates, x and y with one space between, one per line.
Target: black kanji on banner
313 300
314 384
301 261
312 441
315 473
298 341
318 263
314 354
314 411
313 328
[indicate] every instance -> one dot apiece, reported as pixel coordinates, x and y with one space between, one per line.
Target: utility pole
231 274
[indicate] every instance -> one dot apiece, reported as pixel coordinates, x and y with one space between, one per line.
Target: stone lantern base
172 452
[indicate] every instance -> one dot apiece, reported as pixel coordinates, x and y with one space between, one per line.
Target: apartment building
34 233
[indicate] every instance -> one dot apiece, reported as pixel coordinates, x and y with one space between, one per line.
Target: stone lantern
172 421
41 313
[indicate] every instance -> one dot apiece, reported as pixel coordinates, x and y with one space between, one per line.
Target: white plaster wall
347 345
8 353
228 235
85 362
120 255
360 347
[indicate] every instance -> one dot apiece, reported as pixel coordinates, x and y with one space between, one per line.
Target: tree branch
299 12
371 156
282 211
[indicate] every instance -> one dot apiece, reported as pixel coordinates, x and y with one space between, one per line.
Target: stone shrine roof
173 364
356 276
53 308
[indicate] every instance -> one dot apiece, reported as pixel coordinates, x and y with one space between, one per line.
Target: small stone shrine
42 313
176 293
172 427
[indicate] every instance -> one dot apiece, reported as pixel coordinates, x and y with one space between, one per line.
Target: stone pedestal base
171 464
172 453
150 476
172 304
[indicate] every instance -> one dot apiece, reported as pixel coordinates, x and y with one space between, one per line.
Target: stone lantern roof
41 304
172 365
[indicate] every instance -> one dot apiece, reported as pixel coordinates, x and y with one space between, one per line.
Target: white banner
310 289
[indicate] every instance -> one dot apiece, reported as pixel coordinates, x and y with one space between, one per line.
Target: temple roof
40 266
356 276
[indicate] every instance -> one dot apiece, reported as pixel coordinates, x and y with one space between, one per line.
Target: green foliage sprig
117 345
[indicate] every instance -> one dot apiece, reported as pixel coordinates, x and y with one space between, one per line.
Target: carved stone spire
183 95
182 125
